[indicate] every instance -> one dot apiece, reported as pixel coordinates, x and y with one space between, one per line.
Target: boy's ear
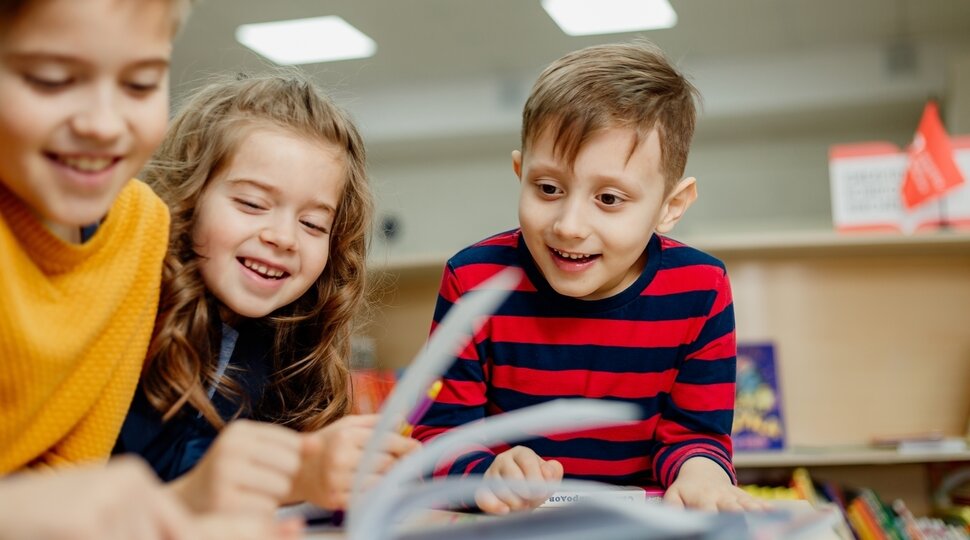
678 201
517 163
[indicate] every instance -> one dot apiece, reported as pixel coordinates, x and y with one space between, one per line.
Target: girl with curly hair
244 396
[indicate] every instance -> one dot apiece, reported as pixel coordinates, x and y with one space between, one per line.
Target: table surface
437 518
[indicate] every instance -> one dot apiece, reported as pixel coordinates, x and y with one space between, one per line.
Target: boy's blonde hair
309 375
629 85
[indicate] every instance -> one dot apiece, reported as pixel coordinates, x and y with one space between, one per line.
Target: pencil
419 411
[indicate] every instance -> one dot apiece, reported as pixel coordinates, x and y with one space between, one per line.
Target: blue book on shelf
758 420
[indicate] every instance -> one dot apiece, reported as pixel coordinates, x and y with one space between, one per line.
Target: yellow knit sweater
75 321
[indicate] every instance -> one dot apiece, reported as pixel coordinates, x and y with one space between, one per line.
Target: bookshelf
837 455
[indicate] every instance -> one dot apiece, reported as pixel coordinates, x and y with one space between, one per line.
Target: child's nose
571 222
281 235
101 118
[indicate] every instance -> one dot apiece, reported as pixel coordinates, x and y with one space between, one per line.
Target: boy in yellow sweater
80 114
83 103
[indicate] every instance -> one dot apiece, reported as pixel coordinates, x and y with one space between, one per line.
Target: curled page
600 518
455 330
558 416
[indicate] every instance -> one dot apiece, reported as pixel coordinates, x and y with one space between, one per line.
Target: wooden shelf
828 242
836 455
783 243
411 264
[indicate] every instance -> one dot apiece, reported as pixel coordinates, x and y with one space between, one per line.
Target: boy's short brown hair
630 85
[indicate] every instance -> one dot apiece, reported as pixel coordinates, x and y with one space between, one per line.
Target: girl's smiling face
263 224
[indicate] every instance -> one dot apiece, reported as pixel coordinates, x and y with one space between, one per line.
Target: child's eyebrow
612 179
545 167
61 58
273 190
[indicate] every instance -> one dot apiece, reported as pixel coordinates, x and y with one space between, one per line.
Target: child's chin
249 311
79 212
570 291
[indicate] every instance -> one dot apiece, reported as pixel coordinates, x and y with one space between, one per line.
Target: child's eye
315 227
548 189
143 80
141 88
47 83
248 204
610 199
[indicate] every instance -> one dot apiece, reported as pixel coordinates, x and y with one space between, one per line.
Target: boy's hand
518 463
122 500
332 455
248 469
702 484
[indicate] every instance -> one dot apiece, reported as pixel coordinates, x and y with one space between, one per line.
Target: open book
376 513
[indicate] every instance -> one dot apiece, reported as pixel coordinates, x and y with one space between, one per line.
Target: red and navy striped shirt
666 344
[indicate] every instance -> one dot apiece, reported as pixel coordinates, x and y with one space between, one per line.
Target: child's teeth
263 269
570 255
86 164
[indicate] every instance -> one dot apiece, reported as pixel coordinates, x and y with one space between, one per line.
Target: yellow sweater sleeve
75 323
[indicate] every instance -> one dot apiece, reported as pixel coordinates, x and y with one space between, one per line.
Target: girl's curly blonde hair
309 383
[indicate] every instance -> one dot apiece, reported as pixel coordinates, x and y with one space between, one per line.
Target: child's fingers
673 498
705 505
172 521
488 502
729 505
268 433
753 504
273 447
259 479
284 463
531 467
399 445
311 444
552 470
507 495
290 529
246 501
383 463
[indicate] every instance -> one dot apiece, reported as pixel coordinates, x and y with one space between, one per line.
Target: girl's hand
248 469
518 463
702 484
332 455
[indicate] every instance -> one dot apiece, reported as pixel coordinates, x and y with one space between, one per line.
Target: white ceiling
462 68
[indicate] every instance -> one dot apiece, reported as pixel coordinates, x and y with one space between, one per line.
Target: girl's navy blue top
174 447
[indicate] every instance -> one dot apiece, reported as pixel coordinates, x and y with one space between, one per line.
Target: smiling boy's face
83 103
587 226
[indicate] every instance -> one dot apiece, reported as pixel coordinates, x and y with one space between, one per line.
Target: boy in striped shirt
609 308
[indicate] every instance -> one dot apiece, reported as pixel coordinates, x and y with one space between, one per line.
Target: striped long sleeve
665 344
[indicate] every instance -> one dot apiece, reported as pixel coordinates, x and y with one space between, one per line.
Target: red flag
932 170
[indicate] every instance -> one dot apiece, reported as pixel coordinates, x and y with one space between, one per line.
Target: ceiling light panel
306 41
586 17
